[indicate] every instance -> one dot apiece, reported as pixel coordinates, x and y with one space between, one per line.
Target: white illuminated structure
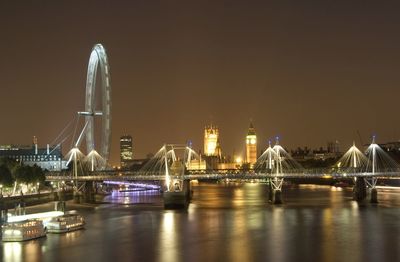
41 216
98 58
211 141
353 160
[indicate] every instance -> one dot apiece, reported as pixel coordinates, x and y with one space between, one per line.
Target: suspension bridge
172 163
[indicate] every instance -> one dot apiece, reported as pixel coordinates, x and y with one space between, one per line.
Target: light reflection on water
230 222
133 197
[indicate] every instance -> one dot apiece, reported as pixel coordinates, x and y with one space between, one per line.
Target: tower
211 141
251 146
126 154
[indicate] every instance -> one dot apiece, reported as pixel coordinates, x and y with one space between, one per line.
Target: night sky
308 71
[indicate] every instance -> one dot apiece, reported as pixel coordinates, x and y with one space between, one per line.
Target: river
227 222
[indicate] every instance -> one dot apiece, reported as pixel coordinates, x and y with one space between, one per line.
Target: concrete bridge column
359 189
178 199
270 191
374 196
89 196
78 197
275 190
187 189
277 196
60 206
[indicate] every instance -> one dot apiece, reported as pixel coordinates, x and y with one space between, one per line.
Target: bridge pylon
178 191
276 162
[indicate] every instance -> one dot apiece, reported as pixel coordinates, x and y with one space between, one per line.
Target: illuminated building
211 141
197 164
212 150
251 146
126 153
49 158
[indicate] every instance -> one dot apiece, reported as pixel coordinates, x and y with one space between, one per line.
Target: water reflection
228 222
12 251
23 251
168 240
133 197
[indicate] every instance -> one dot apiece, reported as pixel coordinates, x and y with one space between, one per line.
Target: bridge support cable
276 162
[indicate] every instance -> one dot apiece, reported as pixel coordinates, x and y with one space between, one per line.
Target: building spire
251 131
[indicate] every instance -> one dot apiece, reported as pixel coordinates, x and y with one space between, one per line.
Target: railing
222 174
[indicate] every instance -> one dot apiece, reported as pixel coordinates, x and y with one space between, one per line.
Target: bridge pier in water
179 198
363 190
374 196
270 191
178 191
89 193
275 190
277 197
59 197
359 189
373 193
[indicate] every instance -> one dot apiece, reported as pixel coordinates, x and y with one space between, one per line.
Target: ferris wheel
98 58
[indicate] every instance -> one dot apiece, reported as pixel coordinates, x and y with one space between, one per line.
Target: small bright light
238 160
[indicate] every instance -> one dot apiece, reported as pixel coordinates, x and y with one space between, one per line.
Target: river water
227 222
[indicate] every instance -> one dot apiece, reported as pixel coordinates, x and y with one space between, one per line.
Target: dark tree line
11 171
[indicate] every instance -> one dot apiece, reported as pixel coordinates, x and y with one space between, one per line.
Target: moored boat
65 223
23 230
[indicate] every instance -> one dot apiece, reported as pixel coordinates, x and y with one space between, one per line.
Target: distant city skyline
307 72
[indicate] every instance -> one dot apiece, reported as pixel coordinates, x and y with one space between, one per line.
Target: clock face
252 141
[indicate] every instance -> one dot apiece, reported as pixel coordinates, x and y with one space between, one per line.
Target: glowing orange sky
307 72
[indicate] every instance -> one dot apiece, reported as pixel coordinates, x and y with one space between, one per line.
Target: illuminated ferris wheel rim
98 57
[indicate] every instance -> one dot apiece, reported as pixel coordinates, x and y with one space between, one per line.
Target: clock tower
251 146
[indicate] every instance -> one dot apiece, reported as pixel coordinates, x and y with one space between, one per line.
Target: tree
6 178
23 174
10 163
38 174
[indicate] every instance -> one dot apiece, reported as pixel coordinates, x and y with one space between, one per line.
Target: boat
65 223
23 230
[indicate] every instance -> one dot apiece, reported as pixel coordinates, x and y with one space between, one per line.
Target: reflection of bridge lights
127 184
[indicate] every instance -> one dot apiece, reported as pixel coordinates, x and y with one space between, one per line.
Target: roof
251 131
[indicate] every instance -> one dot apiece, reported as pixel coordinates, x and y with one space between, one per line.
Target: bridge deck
138 176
